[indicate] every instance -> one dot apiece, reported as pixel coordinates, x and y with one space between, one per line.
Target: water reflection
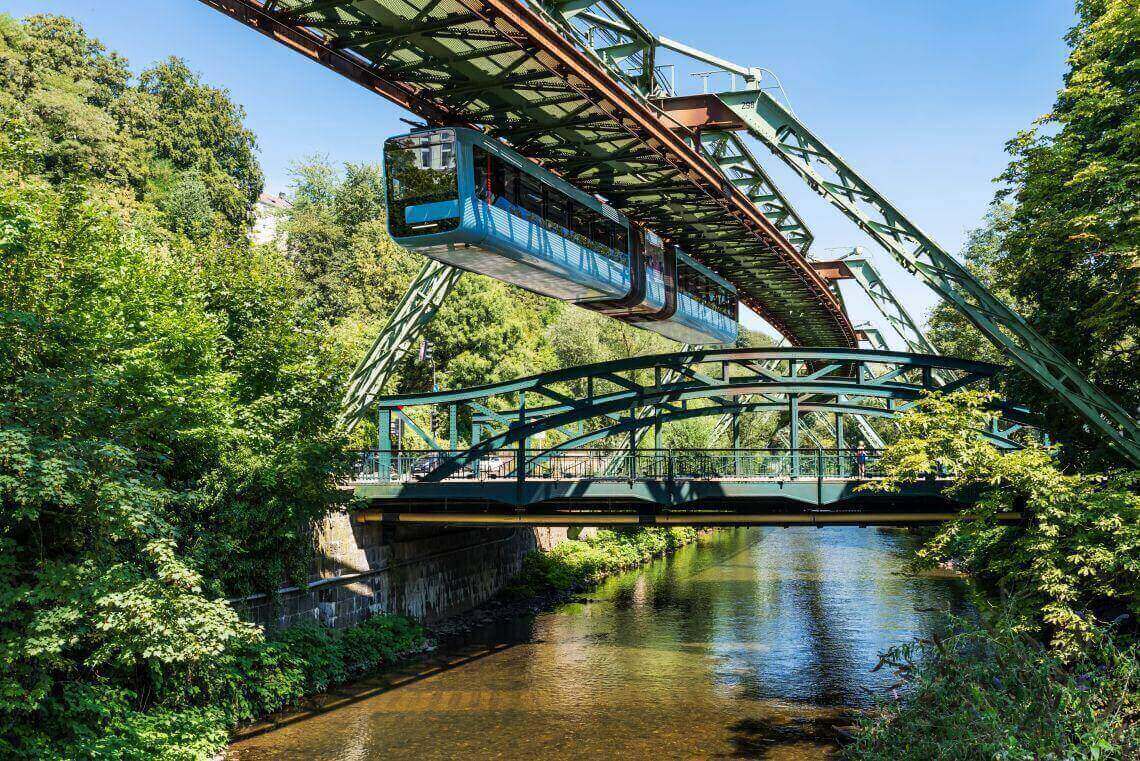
747 646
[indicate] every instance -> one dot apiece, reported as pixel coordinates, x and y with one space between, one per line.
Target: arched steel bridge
527 457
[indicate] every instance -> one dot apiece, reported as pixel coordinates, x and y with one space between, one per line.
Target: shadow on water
407 674
757 643
761 738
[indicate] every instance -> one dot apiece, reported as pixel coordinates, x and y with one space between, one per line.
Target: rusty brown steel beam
833 270
701 111
253 14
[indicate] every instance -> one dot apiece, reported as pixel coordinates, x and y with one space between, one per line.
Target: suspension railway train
465 199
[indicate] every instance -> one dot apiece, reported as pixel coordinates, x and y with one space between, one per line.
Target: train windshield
421 169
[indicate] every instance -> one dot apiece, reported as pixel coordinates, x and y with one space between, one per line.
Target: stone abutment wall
424 572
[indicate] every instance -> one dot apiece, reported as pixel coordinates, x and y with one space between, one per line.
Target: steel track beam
387 46
323 51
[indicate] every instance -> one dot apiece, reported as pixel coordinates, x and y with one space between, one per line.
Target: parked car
493 466
426 464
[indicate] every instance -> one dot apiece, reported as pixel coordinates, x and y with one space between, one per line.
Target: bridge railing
374 466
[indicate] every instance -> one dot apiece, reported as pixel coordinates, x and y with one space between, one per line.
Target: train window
621 239
530 194
510 183
484 172
421 168
601 232
654 253
557 208
579 219
532 199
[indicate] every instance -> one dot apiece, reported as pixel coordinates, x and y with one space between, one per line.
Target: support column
453 432
839 445
794 411
414 312
632 442
736 442
520 455
384 443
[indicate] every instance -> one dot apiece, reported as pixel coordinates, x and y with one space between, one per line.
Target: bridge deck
694 502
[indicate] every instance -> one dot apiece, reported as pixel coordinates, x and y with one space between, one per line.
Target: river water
753 643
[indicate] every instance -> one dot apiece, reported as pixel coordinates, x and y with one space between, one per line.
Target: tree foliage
1067 252
1075 557
167 400
162 141
989 691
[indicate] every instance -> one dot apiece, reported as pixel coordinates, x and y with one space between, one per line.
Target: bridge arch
635 393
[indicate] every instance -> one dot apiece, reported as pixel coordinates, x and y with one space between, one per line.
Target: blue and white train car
465 199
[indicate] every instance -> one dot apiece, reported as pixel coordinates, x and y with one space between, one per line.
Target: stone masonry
423 572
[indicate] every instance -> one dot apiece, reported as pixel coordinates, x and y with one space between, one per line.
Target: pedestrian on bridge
860 462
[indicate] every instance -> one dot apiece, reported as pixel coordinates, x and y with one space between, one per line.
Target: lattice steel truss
583 405
577 86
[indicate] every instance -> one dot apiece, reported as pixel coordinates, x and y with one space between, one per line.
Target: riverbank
322 657
549 579
992 691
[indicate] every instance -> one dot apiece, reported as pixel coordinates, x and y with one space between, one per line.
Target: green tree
1071 254
112 390
198 130
1075 557
336 226
949 329
168 139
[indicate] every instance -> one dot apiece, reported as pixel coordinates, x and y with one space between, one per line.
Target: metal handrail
376 466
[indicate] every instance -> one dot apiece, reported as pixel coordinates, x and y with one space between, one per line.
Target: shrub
992 692
192 720
578 563
1076 555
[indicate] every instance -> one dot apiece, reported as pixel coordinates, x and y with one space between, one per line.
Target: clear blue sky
920 96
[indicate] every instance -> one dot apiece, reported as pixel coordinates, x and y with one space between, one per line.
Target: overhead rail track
507 67
578 86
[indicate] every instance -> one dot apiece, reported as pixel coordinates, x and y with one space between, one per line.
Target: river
753 643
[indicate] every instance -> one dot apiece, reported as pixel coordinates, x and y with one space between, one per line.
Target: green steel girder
828 174
893 311
871 333
745 358
420 303
627 425
737 162
857 267
837 181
